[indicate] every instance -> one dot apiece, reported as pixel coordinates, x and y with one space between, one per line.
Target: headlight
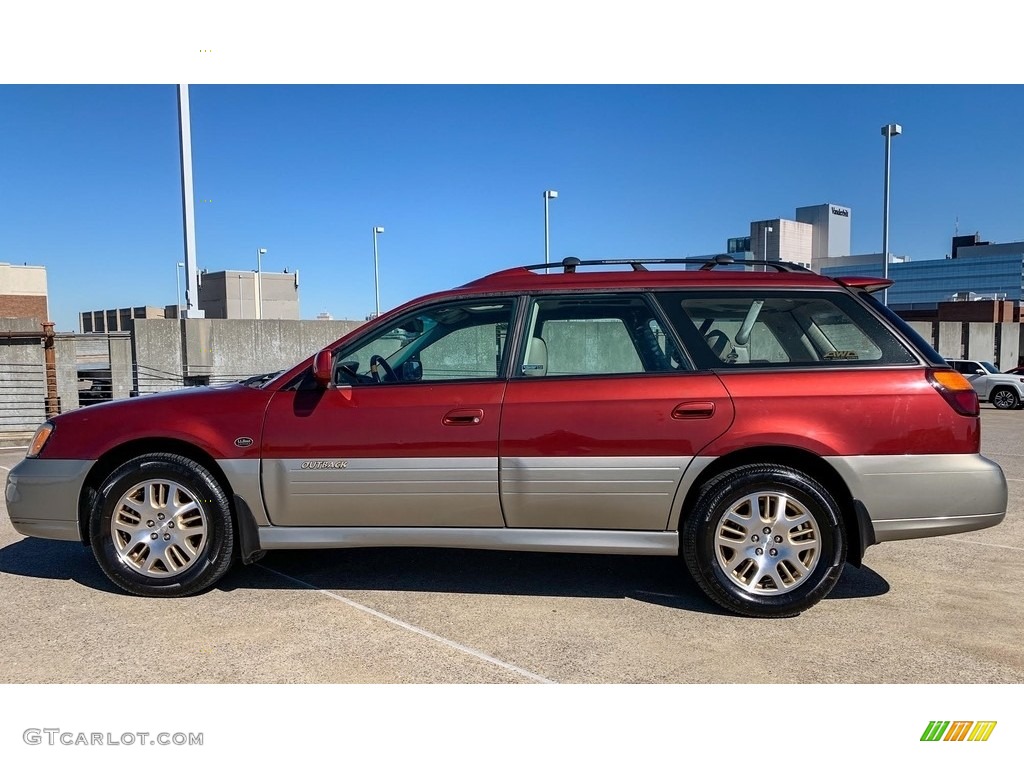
39 440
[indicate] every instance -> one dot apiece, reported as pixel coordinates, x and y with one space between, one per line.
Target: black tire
720 570
190 561
1005 399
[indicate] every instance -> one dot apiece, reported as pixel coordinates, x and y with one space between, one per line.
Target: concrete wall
223 350
227 350
65 352
1008 335
156 351
22 382
981 341
927 330
951 340
122 380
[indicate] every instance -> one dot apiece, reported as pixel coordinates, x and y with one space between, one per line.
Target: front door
407 436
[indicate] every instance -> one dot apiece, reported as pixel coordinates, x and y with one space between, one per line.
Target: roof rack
570 263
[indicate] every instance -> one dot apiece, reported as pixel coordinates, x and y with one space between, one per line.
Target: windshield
989 367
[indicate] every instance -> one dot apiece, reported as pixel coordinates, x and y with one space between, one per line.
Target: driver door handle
463 417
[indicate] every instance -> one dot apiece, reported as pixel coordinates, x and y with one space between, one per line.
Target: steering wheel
389 374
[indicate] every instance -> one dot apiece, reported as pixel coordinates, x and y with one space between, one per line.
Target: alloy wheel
159 528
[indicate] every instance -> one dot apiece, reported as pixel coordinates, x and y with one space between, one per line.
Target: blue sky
89 178
444 122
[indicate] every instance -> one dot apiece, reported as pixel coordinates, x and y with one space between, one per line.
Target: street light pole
888 131
177 288
549 194
260 253
766 231
376 276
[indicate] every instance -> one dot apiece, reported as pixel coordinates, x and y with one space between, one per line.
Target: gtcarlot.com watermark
53 737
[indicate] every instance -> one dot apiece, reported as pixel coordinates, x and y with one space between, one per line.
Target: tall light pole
376 278
890 130
177 288
766 231
549 194
260 253
187 205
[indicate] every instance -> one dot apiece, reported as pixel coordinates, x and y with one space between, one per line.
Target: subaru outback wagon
765 423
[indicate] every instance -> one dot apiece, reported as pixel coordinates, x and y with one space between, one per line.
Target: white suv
1004 390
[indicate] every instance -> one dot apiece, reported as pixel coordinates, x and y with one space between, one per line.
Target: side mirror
322 365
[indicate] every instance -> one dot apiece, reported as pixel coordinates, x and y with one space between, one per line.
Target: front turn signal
39 440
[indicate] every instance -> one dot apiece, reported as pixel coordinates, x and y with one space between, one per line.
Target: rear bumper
910 497
42 497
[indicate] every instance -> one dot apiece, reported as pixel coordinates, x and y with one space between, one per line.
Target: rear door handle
700 409
463 417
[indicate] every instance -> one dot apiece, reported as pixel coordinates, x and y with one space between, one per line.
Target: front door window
447 342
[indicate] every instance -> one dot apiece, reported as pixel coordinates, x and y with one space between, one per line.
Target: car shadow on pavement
657 580
49 559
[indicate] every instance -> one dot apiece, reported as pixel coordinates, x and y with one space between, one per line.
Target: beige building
23 292
782 240
111 320
246 295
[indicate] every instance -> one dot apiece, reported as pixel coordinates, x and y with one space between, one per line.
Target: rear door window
596 335
776 328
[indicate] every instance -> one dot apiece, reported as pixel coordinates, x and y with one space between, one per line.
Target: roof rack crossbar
570 263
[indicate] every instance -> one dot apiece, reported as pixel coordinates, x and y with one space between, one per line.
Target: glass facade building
923 284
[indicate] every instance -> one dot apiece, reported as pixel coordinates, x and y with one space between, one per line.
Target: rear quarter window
749 329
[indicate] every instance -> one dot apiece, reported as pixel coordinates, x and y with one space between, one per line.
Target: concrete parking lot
942 610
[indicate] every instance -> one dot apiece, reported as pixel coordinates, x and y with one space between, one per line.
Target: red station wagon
764 422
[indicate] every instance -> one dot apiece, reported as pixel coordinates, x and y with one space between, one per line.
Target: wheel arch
859 531
118 455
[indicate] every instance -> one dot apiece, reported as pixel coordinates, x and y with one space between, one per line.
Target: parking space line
5 469
986 544
405 625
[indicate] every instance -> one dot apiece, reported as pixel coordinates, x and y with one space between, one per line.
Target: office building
112 320
983 271
818 232
23 292
246 295
830 230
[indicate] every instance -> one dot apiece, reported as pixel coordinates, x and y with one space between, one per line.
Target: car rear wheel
765 540
162 527
1005 399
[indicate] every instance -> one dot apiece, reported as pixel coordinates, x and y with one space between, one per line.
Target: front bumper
911 497
42 497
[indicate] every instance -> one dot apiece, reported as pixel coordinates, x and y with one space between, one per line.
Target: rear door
601 416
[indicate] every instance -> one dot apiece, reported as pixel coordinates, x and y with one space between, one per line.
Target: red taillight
955 390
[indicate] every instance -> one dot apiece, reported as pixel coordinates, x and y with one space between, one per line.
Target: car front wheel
765 540
162 527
